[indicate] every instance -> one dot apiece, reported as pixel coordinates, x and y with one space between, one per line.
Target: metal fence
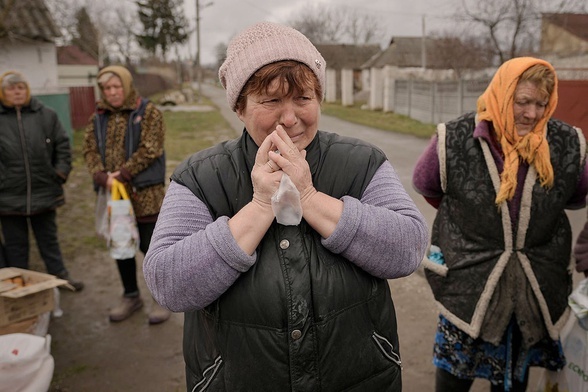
435 102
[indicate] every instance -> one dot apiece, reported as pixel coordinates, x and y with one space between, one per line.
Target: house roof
339 56
576 24
73 55
407 52
28 19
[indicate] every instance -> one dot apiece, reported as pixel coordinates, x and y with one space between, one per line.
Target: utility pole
198 66
423 44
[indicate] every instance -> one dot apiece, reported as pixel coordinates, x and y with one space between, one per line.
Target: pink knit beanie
261 44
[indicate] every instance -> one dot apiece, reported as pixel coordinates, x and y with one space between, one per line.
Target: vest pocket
208 375
386 348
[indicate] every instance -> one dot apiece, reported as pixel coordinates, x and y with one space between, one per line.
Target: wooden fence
82 104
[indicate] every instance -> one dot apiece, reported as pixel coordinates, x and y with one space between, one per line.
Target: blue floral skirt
459 354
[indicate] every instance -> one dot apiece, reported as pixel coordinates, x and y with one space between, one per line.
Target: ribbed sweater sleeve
384 233
191 259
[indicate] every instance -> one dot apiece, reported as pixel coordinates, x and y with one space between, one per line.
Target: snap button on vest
296 334
284 244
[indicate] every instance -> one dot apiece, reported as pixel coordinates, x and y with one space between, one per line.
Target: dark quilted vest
302 318
469 228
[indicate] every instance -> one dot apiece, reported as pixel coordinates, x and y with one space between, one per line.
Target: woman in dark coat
35 161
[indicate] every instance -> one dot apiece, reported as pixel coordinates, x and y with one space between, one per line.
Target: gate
571 106
82 104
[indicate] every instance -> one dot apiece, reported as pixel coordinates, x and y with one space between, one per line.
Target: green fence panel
60 103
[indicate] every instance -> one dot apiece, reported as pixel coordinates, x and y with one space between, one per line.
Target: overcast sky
222 19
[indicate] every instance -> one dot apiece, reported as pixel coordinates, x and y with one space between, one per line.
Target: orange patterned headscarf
496 105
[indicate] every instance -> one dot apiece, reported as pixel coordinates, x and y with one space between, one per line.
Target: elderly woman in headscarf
501 178
125 141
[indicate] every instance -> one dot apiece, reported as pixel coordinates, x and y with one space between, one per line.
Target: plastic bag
551 381
26 364
575 342
286 203
123 240
101 219
574 339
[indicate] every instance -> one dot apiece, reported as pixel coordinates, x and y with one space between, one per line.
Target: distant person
501 179
273 302
125 140
35 161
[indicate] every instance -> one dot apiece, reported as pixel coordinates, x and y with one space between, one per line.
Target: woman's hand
265 176
292 162
111 177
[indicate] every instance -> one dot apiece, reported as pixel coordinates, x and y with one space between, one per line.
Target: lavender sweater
193 260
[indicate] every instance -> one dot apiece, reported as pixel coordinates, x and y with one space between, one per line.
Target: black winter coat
35 159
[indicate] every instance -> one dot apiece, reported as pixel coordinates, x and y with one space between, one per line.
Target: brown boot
158 314
126 308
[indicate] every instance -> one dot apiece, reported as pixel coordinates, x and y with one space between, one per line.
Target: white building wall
77 75
36 61
331 80
388 103
376 89
347 87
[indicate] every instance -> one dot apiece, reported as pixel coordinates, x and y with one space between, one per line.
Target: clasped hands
277 155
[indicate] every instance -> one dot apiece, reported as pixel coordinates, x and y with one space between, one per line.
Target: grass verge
386 121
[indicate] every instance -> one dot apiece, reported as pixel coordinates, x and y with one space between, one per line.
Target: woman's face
528 107
298 114
16 94
113 92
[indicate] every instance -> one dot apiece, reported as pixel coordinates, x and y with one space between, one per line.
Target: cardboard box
21 303
38 325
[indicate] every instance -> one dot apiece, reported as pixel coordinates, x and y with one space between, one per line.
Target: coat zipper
25 156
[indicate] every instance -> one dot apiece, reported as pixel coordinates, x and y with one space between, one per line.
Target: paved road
415 307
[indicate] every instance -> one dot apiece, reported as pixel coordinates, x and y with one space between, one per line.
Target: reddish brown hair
294 78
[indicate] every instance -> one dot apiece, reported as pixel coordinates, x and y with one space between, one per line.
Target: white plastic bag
575 342
101 219
286 203
123 240
551 381
26 364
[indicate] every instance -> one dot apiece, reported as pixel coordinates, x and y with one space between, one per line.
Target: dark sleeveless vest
477 238
302 318
152 175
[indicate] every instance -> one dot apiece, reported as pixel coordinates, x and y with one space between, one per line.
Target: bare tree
461 52
512 26
114 22
63 13
119 37
221 53
324 24
87 35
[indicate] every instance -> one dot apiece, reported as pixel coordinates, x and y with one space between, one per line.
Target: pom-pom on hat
262 44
